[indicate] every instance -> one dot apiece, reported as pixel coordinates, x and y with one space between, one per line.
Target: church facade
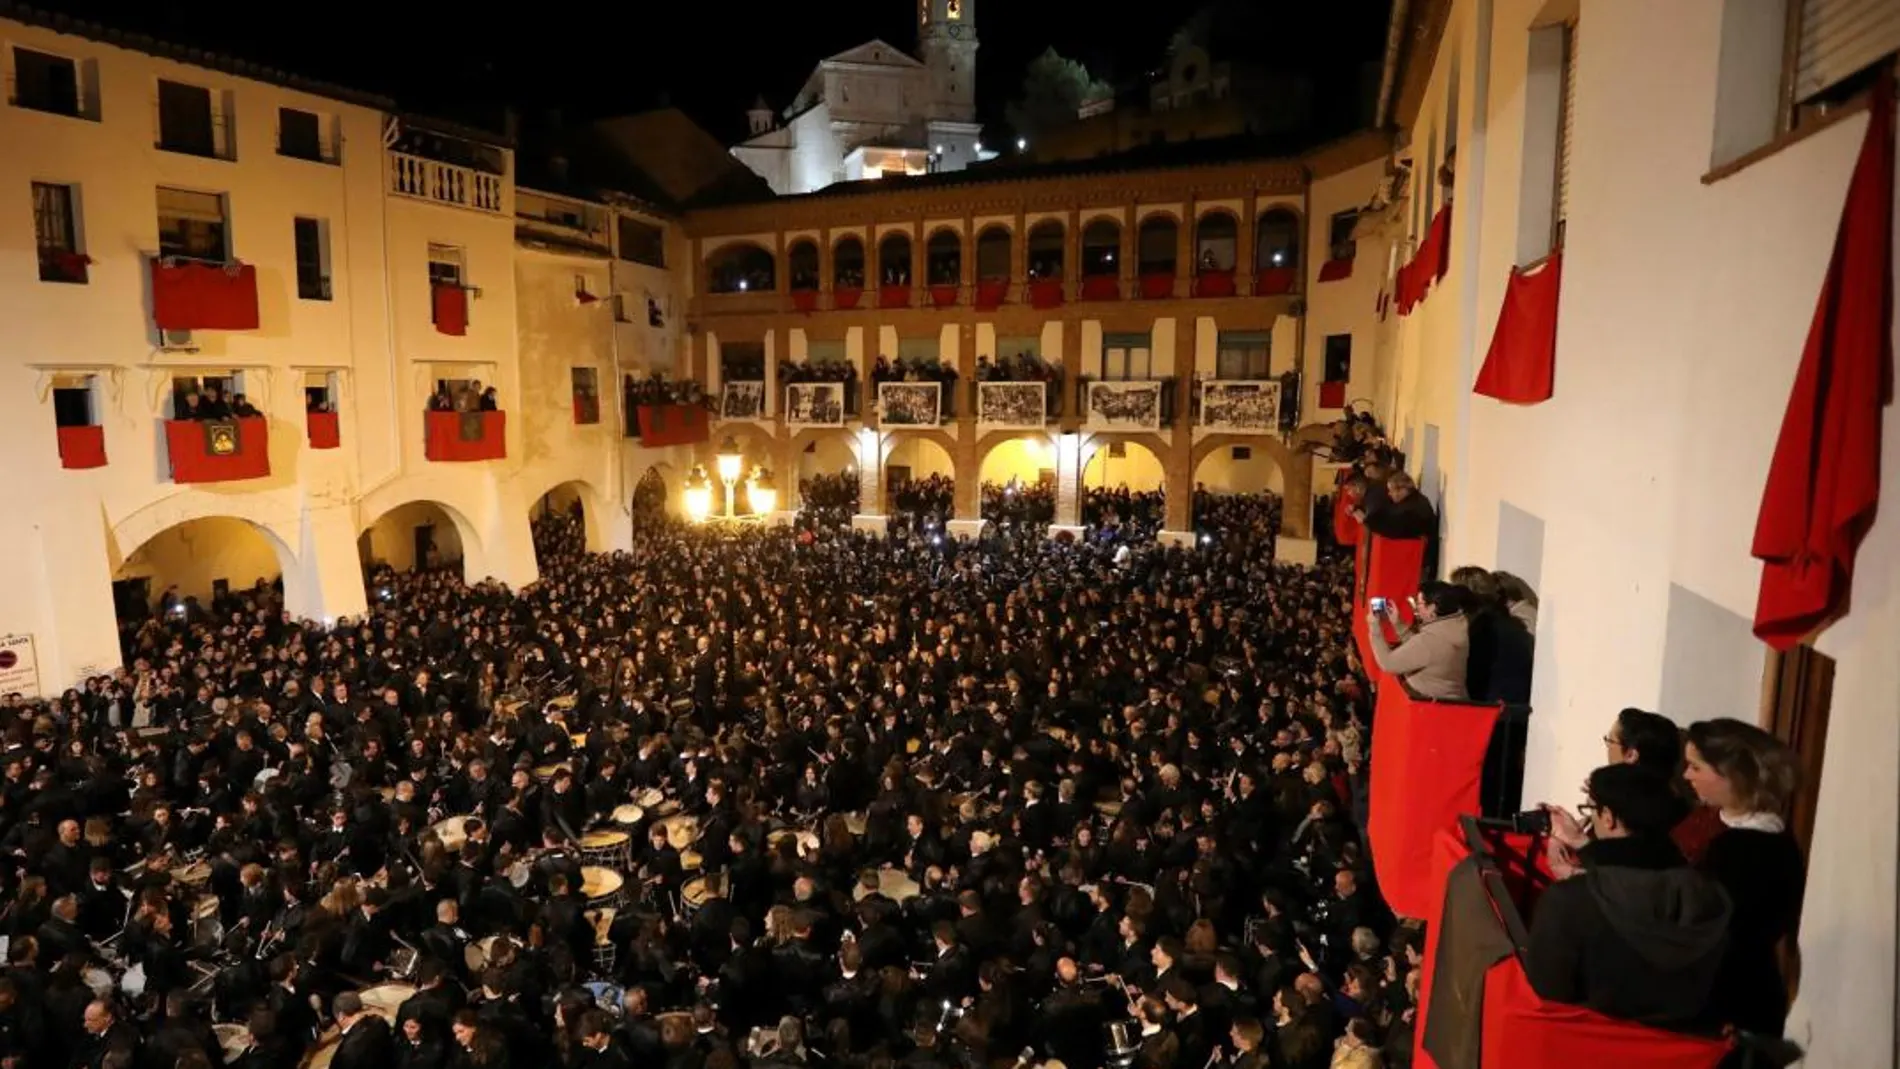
876 109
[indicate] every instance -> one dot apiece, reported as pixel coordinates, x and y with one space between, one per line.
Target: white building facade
1695 208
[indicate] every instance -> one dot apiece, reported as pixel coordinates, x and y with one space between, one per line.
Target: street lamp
761 493
698 493
729 461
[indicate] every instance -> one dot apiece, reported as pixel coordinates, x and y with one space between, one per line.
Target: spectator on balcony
1431 656
1519 599
192 407
1400 512
488 402
1499 669
242 408
213 405
440 401
469 397
1629 930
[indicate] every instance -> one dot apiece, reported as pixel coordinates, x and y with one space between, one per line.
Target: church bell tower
946 42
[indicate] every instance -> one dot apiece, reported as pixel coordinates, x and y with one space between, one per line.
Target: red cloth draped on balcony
187 295
82 447
1824 481
1101 288
218 450
1045 293
893 296
1274 281
1427 767
64 265
466 436
991 293
944 296
1389 569
1346 529
1212 283
1335 270
1157 285
1521 365
1476 1006
663 425
324 429
449 305
1428 264
1332 395
805 300
845 298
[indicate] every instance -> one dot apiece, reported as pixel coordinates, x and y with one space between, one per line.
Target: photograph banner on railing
1241 407
742 400
910 404
1012 405
814 404
1124 406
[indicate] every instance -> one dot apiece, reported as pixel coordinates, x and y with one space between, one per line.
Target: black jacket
1638 935
368 1044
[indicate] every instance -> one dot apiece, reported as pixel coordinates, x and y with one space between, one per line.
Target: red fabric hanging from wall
449 304
1335 270
1274 281
1332 395
1521 365
187 295
1346 529
1215 284
1157 286
324 429
1824 481
465 436
845 298
805 301
82 447
1101 288
664 425
1427 767
193 460
1525 1032
944 296
1045 293
893 296
1391 571
1428 264
991 293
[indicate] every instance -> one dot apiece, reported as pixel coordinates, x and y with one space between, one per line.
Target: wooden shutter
1566 122
1840 38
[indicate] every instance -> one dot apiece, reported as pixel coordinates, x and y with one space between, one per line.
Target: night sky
467 61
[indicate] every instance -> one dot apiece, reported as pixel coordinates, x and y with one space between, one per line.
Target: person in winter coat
1629 930
1432 656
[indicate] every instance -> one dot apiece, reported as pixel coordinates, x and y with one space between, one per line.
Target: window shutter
1840 38
1566 122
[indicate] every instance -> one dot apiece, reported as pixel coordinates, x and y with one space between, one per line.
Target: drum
324 1054
579 742
601 887
694 894
544 773
665 808
628 816
206 929
690 861
603 922
682 830
384 1000
195 874
477 954
892 884
451 833
1123 1042
233 1040
1110 809
854 823
609 849
649 799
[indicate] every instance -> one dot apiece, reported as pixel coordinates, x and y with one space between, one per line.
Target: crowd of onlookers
464 396
211 404
658 389
1019 367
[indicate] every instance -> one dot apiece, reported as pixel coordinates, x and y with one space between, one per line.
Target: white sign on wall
19 667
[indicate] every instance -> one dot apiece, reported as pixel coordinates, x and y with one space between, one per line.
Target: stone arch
1216 240
147 526
1158 244
1046 255
987 444
1278 231
847 262
801 264
1296 475
894 251
943 257
1101 247
594 508
476 564
741 267
994 247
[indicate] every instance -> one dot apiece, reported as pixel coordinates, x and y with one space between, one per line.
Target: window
1837 43
1787 63
1242 355
1242 452
1339 234
1544 183
300 136
1800 693
192 225
56 232
1566 111
214 392
1338 358
319 391
313 259
49 83
1126 357
586 395
642 243
72 401
445 265
186 121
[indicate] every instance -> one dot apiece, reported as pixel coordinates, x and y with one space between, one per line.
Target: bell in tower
946 39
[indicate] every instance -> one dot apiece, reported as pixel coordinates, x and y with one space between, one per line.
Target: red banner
1335 270
805 300
449 306
943 296
194 460
991 293
664 425
1346 529
1215 284
1157 286
446 438
1101 288
1521 365
1045 293
1332 395
1388 568
1427 768
893 296
845 298
196 296
1275 281
82 447
1428 264
324 429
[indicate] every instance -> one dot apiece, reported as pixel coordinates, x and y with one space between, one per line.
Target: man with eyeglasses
1629 929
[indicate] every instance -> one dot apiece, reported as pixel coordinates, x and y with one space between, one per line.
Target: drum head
384 1000
324 1054
603 921
597 882
648 798
232 1039
694 893
628 816
476 954
595 840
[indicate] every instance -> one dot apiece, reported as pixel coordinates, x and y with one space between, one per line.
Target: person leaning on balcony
1430 657
1629 930
1401 512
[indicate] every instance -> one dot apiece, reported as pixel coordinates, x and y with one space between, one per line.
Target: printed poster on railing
814 404
742 400
1124 406
1012 405
1241 406
910 404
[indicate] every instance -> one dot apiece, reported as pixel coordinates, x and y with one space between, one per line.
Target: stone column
1068 486
332 581
1185 263
1178 463
869 445
1244 251
1071 256
967 521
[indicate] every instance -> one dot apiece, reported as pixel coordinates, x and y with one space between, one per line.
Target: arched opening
893 259
1124 485
1101 249
1239 468
1216 242
920 482
1277 252
651 499
741 268
1157 248
943 256
1045 251
416 536
828 478
802 260
992 254
563 525
847 263
211 566
1018 478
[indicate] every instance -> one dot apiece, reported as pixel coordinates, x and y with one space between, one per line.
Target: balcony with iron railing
420 178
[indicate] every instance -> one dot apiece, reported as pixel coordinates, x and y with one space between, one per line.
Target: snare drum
609 849
193 875
892 884
854 823
324 1054
233 1040
206 929
1110 809
628 816
649 799
544 773
452 833
690 861
694 894
603 922
476 955
384 1000
682 830
601 887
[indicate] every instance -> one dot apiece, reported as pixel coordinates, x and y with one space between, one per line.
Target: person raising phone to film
1432 651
